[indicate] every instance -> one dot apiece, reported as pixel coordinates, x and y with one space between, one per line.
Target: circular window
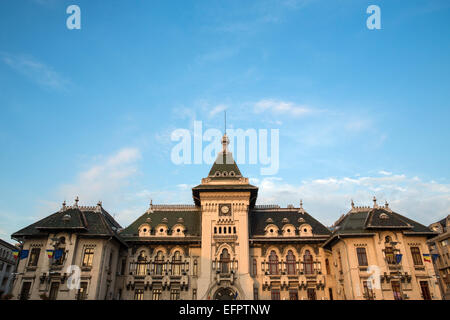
145 230
288 230
305 230
224 174
178 230
232 174
161 230
271 230
217 174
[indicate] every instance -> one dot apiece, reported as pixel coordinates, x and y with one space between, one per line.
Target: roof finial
353 204
76 201
301 204
151 204
375 202
63 206
386 204
225 128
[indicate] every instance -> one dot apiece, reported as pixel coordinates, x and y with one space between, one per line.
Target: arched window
159 262
255 269
225 261
290 262
327 265
176 263
273 263
141 264
308 262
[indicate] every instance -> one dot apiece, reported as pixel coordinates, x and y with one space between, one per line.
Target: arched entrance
224 294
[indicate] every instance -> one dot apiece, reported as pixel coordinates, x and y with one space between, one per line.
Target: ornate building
224 246
439 247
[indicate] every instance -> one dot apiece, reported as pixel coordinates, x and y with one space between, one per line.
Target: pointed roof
86 220
225 176
224 167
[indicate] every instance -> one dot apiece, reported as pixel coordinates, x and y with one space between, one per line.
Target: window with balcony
176 264
293 294
389 254
273 263
159 263
290 263
224 261
368 291
308 265
141 266
34 257
327 266
254 268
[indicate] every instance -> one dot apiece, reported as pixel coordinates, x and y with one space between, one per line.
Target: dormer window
271 230
225 174
305 230
384 216
178 230
144 230
161 230
217 174
232 174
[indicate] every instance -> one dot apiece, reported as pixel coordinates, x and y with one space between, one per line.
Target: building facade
7 267
225 246
439 247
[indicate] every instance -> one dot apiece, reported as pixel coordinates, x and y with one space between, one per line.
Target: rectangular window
34 257
330 291
88 257
368 292
255 294
156 294
417 257
293 294
362 257
275 294
82 292
139 294
255 269
124 266
25 292
194 294
311 294
175 294
54 288
396 290
389 253
195 267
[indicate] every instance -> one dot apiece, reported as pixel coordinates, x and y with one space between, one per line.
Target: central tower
225 198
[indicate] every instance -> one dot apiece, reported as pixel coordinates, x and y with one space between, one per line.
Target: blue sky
90 112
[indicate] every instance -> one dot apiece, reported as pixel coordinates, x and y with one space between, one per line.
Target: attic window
285 220
217 174
180 220
225 174
271 230
384 216
178 230
144 230
161 230
301 220
232 174
66 217
148 220
269 220
165 220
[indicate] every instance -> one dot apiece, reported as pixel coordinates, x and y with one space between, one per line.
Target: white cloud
385 173
36 71
326 199
217 109
281 107
103 180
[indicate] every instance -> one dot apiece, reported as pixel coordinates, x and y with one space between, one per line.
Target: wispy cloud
328 198
35 71
217 109
281 107
105 179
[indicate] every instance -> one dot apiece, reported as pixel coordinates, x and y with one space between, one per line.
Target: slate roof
189 213
224 163
258 220
92 221
366 221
